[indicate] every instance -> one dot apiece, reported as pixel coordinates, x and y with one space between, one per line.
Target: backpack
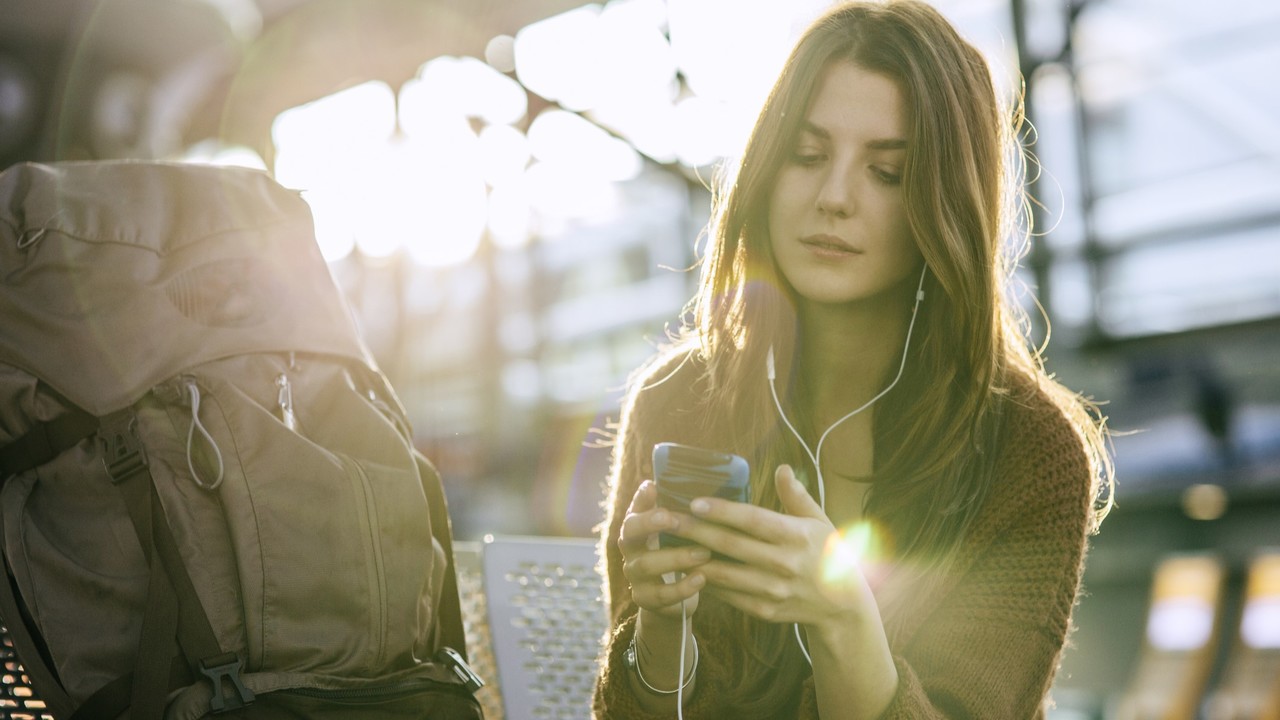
211 502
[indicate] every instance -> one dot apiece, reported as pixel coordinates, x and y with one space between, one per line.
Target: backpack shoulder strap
45 441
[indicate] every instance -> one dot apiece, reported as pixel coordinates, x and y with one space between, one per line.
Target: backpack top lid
115 275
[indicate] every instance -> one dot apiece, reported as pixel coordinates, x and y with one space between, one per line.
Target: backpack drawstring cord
194 391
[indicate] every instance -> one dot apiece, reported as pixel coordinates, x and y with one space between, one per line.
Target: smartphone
683 473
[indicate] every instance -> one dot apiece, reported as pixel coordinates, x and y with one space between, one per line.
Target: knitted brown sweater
983 641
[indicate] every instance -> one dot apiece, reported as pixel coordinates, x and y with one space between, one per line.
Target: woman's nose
835 197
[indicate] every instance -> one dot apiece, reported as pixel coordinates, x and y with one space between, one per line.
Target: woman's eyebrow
887 144
822 133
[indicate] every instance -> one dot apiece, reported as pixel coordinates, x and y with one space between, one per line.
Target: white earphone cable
684 640
815 456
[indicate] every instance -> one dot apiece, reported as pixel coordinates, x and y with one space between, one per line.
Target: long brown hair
967 212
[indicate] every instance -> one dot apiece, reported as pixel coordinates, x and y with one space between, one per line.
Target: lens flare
850 551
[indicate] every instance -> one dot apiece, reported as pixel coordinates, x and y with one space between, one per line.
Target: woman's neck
850 352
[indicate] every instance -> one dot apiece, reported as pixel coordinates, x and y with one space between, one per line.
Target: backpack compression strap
45 441
173 607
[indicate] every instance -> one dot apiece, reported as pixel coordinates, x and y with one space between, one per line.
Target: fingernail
660 517
699 506
701 554
789 474
698 580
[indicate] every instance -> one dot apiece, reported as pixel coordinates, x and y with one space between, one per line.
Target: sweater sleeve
991 647
647 417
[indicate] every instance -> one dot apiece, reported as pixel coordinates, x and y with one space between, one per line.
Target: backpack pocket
308 539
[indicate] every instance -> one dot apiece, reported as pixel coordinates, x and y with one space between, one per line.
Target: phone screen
683 473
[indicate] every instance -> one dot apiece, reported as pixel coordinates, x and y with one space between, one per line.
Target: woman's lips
829 246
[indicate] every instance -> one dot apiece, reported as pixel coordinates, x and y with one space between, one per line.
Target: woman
853 340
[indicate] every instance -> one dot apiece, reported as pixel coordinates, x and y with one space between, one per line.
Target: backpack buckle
228 666
452 659
122 452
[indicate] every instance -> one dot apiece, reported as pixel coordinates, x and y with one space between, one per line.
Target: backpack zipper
368 515
284 399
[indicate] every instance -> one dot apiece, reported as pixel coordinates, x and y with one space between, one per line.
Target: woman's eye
806 158
888 177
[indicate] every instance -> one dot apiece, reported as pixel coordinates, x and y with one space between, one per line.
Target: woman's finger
778 556
660 595
754 605
767 525
796 500
642 520
646 497
646 566
745 579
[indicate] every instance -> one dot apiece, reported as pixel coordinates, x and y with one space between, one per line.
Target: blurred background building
512 195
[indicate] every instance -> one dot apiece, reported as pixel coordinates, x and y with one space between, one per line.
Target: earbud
768 365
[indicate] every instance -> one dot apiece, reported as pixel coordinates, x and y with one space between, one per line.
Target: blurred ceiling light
709 130
568 140
317 144
500 53
558 193
707 37
649 124
380 190
591 57
424 196
729 53
460 86
633 57
504 154
335 220
639 13
556 57
510 214
363 112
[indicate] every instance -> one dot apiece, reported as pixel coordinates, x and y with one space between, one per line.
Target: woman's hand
644 564
660 629
781 574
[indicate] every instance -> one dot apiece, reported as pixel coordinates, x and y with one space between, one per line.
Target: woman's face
836 218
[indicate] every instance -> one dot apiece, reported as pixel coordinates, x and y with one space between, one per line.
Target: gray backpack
211 501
